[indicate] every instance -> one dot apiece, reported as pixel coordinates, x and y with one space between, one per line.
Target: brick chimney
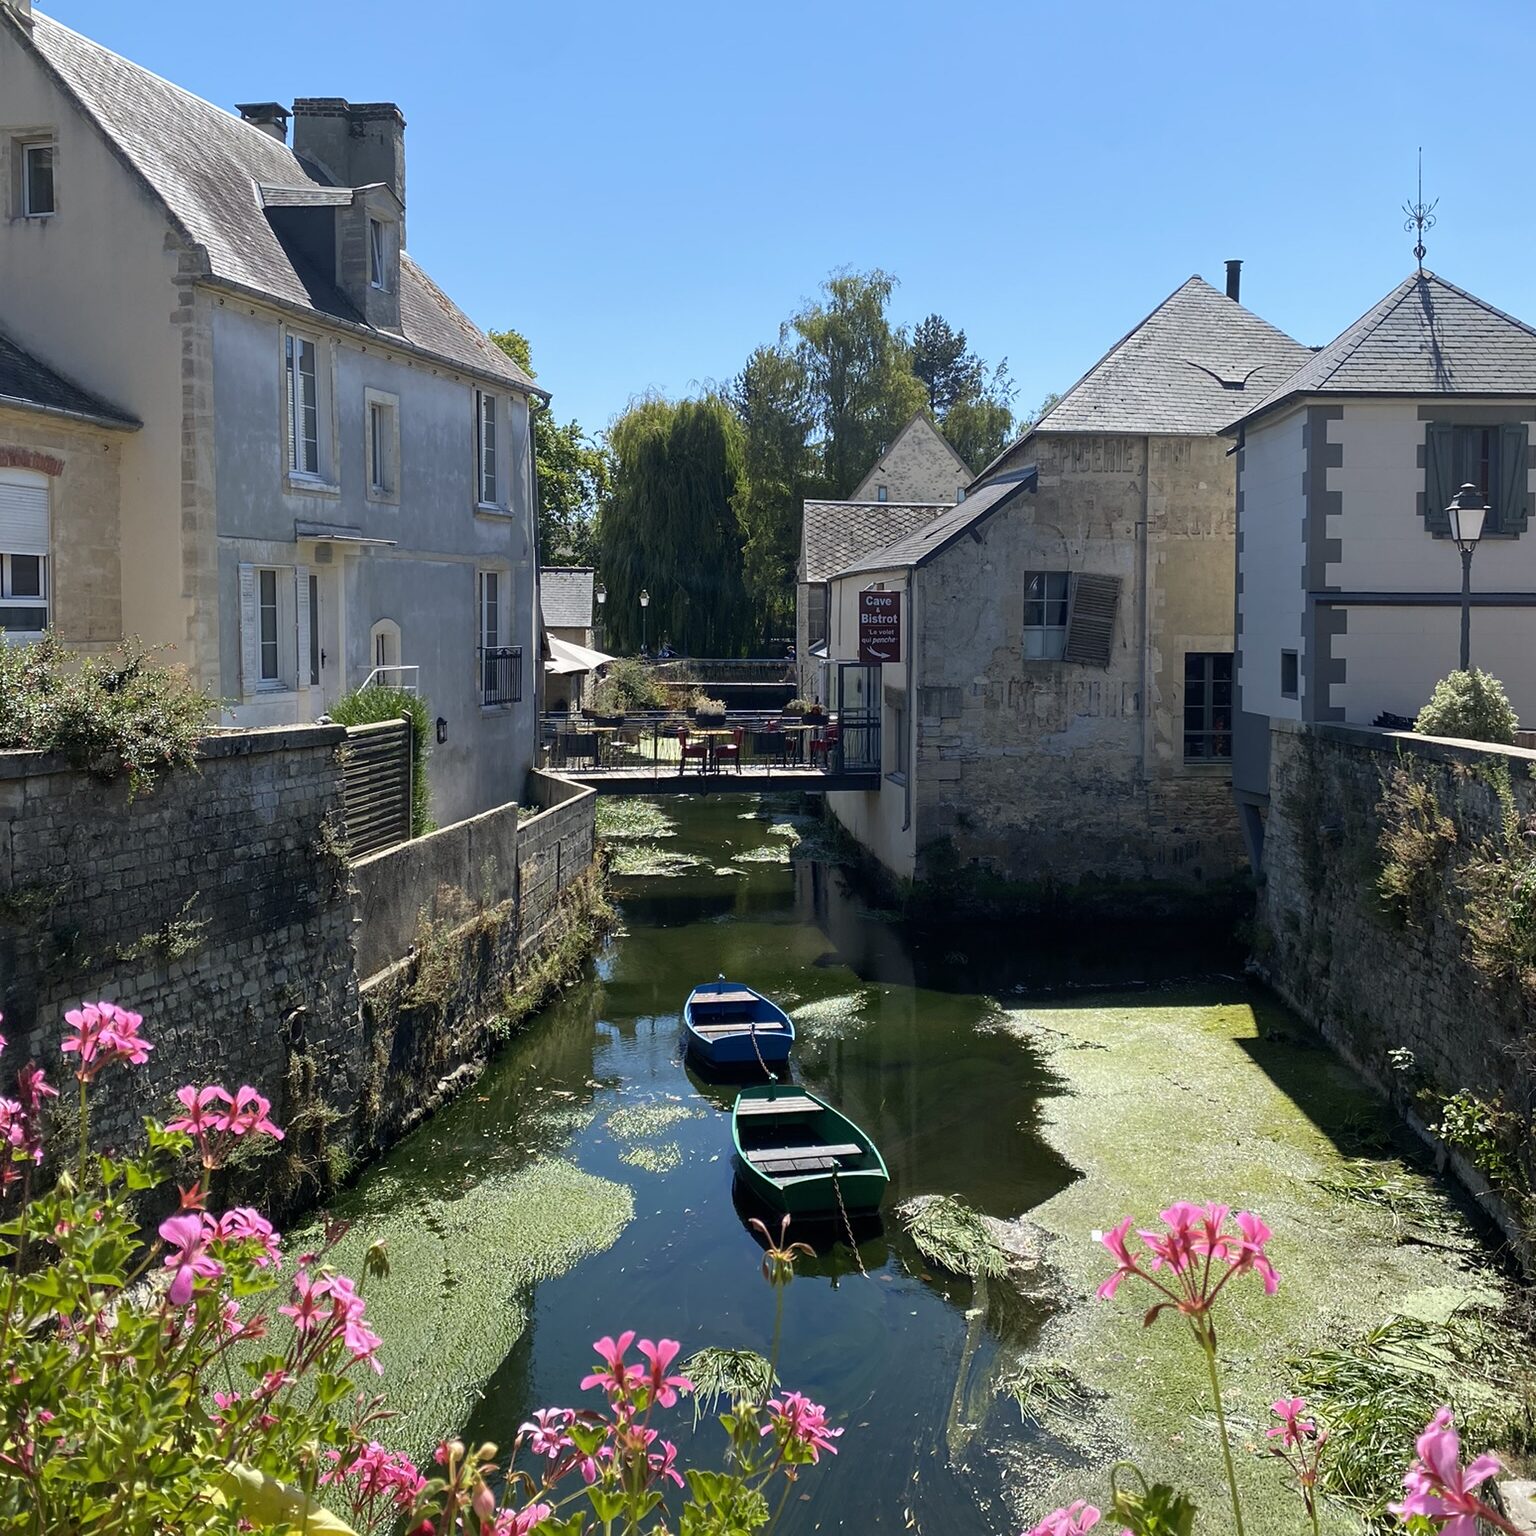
270 116
356 145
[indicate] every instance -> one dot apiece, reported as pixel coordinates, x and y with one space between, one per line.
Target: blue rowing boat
728 1025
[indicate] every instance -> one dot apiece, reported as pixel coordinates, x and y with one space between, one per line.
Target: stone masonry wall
1328 947
216 905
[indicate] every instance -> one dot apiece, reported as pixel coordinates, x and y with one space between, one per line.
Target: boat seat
742 1027
715 999
784 1106
828 1154
792 1165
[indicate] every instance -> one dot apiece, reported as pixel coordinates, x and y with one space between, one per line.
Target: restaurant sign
879 627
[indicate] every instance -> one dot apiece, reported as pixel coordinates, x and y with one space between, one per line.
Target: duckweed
633 1122
653 1157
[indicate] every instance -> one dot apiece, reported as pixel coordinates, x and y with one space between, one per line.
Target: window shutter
250 640
1439 475
301 626
1091 620
1514 473
23 517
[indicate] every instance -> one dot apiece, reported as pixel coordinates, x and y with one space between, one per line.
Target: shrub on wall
121 713
1471 706
628 684
371 705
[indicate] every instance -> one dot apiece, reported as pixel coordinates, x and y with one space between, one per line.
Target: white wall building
1349 584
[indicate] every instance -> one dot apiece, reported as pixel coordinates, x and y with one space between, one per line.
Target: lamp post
601 594
1467 513
645 602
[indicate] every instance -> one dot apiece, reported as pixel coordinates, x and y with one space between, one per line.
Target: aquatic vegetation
765 853
660 1157
833 1016
725 1376
648 859
788 830
1045 1387
626 820
631 1122
953 1236
1415 1208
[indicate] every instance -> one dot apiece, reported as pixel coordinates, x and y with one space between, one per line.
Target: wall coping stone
25 763
1439 749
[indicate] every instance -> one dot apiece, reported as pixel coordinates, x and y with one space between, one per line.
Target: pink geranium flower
1437 1485
251 1114
801 1422
242 1224
616 1378
658 1357
189 1237
1292 1428
1076 1519
547 1431
518 1522
104 1033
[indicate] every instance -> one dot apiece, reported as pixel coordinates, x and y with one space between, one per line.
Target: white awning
565 657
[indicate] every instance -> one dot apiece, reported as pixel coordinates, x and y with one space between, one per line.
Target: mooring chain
858 1258
757 1051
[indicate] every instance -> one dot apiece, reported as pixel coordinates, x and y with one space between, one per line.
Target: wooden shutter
250 637
1513 510
301 626
1091 619
24 516
1439 475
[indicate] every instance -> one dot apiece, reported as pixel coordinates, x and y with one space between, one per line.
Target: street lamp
645 602
1466 512
601 594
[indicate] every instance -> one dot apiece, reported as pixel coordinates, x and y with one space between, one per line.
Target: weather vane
1421 216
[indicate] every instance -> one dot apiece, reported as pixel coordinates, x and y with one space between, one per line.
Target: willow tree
670 529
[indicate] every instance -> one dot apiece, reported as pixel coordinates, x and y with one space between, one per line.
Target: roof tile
833 533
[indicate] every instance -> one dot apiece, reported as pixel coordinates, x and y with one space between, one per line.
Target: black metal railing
501 674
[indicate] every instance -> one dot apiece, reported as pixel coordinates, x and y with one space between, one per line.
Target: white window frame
298 476
289 588
378 255
1045 640
882 493
33 514
896 729
382 452
25 149
487 446
384 648
487 638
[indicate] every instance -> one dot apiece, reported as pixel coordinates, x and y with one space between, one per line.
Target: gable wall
918 466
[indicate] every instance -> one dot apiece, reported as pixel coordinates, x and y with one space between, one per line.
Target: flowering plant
205 1381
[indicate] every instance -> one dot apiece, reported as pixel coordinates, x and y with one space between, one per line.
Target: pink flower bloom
547 1431
800 1420
188 1236
1179 1246
308 1308
1124 1263
1292 1429
618 1378
663 1463
207 1111
658 1357
379 1474
518 1522
1438 1486
251 1113
1075 1520
241 1224
1250 1252
104 1033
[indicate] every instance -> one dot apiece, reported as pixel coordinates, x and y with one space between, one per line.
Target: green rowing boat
798 1154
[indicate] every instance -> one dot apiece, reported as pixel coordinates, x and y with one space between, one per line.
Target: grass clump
1046 1387
371 705
722 1377
1417 838
1417 1210
623 820
121 714
648 859
953 1236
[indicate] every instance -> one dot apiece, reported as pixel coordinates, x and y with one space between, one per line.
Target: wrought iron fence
501 674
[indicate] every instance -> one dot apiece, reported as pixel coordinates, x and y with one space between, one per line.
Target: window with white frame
1046 595
384 639
36 168
500 665
24 511
267 622
383 446
275 612
485 448
301 360
378 254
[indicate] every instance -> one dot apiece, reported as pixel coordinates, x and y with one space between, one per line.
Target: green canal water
585 1186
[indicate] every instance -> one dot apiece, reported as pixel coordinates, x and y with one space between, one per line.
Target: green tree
573 473
772 399
859 372
670 528
949 372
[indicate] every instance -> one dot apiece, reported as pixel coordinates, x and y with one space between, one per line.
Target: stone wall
223 908
1369 982
216 905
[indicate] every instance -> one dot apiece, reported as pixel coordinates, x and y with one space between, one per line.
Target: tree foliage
972 405
1470 706
670 527
573 473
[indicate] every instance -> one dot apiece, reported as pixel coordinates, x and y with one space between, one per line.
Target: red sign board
879 627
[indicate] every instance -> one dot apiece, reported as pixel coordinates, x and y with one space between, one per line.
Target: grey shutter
1515 479
24 516
301 626
1091 619
250 642
1439 475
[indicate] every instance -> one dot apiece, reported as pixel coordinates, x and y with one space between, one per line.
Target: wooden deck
750 781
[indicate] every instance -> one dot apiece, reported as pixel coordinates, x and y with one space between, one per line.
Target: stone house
565 596
1349 583
1061 712
915 479
331 476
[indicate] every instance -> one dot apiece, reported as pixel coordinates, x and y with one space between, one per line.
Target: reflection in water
898 1038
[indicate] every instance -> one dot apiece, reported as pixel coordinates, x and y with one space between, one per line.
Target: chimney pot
270 116
1234 280
20 9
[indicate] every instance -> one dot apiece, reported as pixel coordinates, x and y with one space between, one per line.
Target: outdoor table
605 736
711 736
795 741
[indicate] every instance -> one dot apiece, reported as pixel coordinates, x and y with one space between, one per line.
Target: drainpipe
911 773
1144 610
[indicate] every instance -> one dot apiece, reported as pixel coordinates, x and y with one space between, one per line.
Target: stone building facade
919 466
1061 716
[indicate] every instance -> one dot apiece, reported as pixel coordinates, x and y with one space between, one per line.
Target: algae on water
653 1157
648 859
633 1122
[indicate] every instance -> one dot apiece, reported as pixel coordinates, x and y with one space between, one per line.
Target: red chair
822 744
698 750
730 751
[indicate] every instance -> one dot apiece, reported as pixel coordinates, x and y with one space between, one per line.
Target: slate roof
566 594
1186 370
1427 337
31 385
832 533
206 165
922 544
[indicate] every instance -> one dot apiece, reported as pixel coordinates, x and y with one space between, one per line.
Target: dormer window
378 256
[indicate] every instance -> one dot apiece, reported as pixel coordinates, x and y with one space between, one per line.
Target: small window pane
26 576
1207 705
376 253
267 602
38 172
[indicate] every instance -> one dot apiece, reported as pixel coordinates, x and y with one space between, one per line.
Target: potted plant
815 713
708 711
607 704
796 707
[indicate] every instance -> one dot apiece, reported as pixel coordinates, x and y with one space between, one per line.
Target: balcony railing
501 675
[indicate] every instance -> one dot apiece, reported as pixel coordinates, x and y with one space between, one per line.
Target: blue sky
647 191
